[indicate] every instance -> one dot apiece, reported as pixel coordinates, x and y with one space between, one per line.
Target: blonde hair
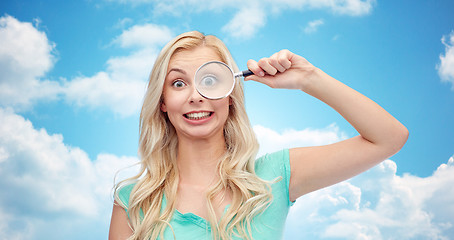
158 176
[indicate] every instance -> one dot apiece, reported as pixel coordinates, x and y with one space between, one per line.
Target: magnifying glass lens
214 80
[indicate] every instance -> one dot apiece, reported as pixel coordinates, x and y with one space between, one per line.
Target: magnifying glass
216 80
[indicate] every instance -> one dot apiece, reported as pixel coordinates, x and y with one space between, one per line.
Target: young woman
200 178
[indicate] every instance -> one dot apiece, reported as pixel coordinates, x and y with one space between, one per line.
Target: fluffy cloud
122 85
144 36
349 7
271 140
378 204
49 187
251 16
345 7
245 22
312 26
122 96
26 55
446 65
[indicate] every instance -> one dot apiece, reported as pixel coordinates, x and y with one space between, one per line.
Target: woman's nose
195 96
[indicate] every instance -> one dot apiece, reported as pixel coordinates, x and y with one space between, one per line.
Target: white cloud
26 55
123 23
47 184
144 36
245 23
312 26
379 204
446 65
342 7
102 91
121 86
251 16
271 140
346 7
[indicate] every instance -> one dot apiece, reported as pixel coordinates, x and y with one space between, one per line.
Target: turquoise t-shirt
268 225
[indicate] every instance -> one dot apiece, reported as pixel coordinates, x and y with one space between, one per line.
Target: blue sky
72 76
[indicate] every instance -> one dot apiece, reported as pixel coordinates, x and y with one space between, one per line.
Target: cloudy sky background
73 73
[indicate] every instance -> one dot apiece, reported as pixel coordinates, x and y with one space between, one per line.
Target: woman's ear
230 100
163 106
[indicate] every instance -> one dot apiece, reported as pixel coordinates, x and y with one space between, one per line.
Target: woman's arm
119 227
312 168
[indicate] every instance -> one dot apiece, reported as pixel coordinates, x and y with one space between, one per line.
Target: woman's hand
283 69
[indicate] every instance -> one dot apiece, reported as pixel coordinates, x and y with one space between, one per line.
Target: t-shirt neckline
189 216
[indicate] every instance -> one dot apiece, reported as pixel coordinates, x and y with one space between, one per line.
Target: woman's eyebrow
176 70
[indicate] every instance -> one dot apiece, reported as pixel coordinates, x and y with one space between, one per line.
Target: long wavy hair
158 176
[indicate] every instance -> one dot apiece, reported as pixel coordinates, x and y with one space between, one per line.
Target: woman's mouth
197 115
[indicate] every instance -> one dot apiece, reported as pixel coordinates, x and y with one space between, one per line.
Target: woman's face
192 115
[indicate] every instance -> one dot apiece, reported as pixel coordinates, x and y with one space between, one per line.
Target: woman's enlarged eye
178 84
209 80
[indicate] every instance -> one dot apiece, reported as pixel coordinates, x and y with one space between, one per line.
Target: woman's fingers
254 67
278 62
267 64
275 62
284 57
259 73
280 70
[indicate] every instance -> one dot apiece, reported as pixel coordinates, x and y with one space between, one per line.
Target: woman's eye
209 81
178 84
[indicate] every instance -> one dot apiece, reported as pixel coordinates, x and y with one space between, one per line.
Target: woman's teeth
198 115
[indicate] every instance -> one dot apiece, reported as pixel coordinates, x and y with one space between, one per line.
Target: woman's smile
198 115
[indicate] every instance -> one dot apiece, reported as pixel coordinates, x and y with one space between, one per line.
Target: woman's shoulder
272 165
124 191
275 167
273 158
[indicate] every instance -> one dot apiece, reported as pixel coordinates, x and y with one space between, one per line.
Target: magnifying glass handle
244 73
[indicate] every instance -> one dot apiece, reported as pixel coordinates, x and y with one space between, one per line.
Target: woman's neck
197 160
197 163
